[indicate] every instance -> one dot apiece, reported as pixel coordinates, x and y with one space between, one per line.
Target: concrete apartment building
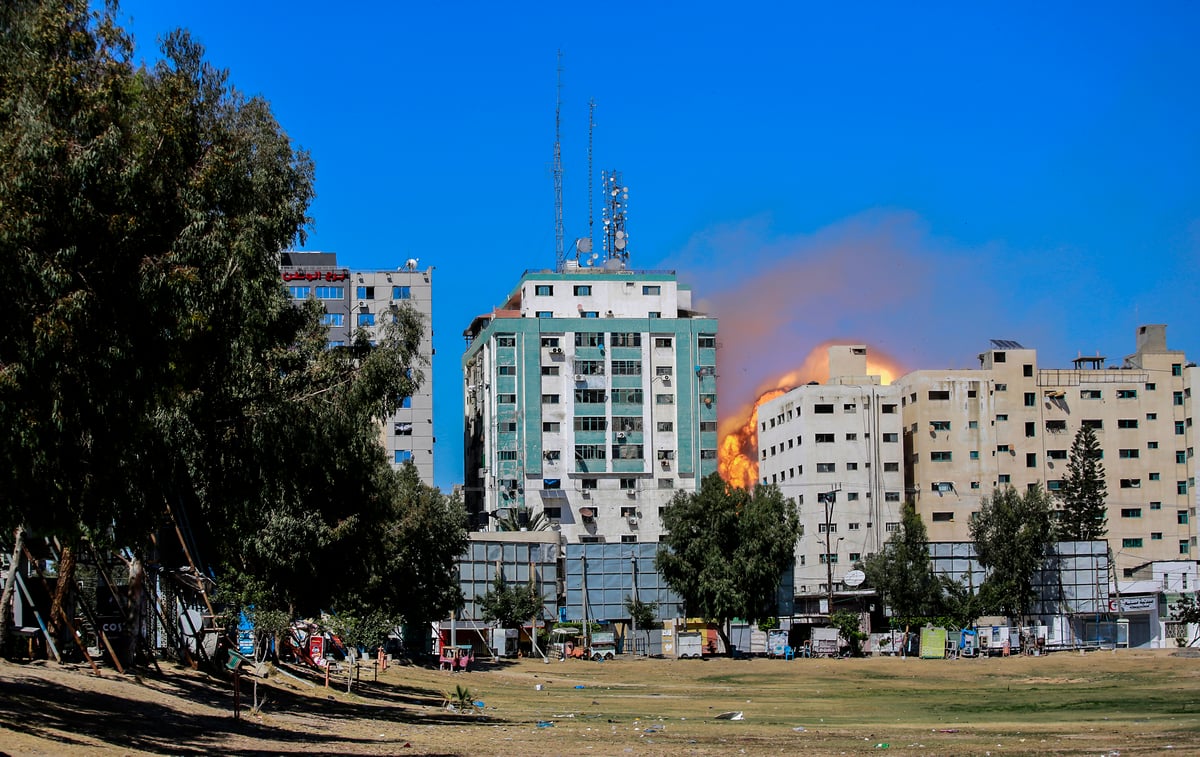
836 450
1012 422
589 396
363 300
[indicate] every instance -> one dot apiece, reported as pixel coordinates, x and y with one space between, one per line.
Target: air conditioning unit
586 493
556 351
666 464
579 377
633 521
620 434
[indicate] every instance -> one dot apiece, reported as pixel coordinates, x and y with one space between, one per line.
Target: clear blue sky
920 177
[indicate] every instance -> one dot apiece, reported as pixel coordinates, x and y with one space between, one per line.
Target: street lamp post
633 608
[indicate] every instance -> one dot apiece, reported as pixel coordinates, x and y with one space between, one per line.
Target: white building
835 449
590 397
363 300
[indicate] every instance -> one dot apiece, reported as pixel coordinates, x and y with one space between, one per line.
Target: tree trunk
10 585
66 579
133 614
723 632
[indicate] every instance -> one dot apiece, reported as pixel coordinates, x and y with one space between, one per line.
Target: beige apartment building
1011 422
836 450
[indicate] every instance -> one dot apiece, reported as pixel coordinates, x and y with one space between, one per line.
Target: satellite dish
854 578
620 234
620 243
584 245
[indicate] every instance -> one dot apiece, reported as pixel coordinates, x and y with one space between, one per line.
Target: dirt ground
1129 702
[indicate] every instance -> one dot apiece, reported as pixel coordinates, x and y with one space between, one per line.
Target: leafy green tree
1186 611
510 606
903 574
643 615
725 548
849 625
153 369
1012 534
1083 493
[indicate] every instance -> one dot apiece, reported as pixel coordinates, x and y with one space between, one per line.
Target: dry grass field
1129 702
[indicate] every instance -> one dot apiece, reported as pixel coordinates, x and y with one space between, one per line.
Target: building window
590 484
627 367
1095 425
589 339
552 513
590 314
1184 547
1127 394
943 517
939 425
942 456
891 528
543 290
1127 423
665 426
589 452
891 467
711 427
1181 487
1128 454
889 409
825 438
401 293
544 314
939 395
1176 369
1181 517
1030 459
331 293
1180 428
999 357
591 423
1131 543
1030 429
506 340
974 484
1054 485
849 407
300 293
506 399
851 466
550 427
549 399
1004 478
652 289
583 290
1131 512
891 496
1131 483
828 558
654 314
403 455
629 484
664 399
1030 399
504 426
366 319
366 293
549 370
974 455
333 319
1089 394
506 455
626 339
706 342
852 497
1151 416
1181 457
1027 370
662 342
506 370
826 467
550 341
891 438
827 528
1002 387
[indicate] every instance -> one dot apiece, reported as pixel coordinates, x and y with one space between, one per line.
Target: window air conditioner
579 377
633 521
666 464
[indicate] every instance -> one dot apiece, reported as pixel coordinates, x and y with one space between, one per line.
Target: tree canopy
153 369
902 572
510 606
1012 533
1084 491
725 549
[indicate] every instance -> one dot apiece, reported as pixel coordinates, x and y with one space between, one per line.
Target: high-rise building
1011 423
590 398
363 300
835 450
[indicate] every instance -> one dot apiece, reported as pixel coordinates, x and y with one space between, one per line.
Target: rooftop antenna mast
614 213
559 258
591 128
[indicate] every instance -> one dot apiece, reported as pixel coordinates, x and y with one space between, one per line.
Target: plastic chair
789 653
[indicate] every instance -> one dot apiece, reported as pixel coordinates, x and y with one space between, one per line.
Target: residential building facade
356 300
835 450
1012 422
590 397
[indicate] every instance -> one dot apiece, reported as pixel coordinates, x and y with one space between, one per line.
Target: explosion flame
737 454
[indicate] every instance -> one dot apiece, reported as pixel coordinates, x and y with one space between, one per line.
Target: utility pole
828 499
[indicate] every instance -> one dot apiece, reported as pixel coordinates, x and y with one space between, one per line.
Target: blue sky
919 177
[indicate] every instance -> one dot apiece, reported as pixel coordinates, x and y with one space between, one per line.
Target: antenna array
614 214
558 172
